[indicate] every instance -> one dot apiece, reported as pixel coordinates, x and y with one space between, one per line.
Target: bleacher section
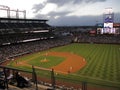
14 30
12 25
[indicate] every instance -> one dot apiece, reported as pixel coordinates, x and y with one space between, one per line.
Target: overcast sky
65 12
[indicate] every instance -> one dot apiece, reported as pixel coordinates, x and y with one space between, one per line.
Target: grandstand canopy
14 25
27 20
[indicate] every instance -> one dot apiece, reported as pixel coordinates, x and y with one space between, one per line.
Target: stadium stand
23 36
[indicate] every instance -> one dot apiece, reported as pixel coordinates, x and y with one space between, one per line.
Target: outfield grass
103 63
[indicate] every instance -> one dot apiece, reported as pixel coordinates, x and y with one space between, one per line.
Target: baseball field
92 63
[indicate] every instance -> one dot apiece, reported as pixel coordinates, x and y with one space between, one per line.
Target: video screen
108 28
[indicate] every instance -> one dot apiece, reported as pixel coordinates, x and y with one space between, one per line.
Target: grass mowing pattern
102 60
103 63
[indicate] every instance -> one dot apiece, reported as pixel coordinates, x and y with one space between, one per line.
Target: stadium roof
16 19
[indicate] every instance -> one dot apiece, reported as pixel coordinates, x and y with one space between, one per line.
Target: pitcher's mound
44 60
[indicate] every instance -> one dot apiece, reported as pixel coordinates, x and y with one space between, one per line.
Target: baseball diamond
93 62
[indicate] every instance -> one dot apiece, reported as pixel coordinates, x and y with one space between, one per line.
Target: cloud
67 12
62 3
75 21
59 2
80 21
37 7
71 20
117 17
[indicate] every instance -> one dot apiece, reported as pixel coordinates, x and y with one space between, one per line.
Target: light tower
6 8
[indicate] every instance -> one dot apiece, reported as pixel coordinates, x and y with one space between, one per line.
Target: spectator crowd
11 50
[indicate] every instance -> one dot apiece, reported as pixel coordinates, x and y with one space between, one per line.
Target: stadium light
6 8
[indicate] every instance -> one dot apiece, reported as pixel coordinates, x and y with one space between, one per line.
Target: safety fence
46 79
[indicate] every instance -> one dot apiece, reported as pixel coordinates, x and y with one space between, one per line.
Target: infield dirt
72 62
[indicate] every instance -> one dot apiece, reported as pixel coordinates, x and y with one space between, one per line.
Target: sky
64 12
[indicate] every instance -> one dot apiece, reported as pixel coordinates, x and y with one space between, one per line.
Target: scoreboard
109 18
108 21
